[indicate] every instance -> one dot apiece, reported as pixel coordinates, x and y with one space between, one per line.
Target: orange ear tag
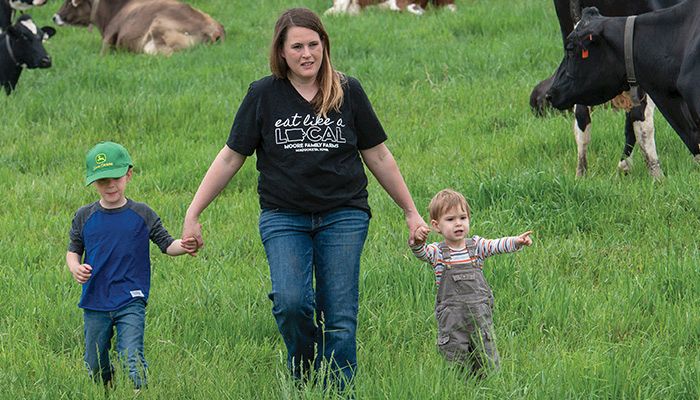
584 53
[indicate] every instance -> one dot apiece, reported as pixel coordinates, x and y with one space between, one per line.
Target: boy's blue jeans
325 246
129 322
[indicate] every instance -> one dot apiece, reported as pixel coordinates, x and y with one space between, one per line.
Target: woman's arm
381 163
222 169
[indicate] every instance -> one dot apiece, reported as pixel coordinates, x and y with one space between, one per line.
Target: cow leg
671 108
625 164
642 120
582 134
687 85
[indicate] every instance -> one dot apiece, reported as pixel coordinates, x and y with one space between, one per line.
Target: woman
310 127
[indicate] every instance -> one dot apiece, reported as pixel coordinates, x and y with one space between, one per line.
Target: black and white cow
9 7
639 125
660 50
21 46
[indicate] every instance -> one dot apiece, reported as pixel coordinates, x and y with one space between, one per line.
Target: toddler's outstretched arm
523 239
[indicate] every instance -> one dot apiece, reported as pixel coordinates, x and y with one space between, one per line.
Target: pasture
605 304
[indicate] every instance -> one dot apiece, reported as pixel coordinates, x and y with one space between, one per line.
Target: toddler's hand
523 239
420 235
189 245
81 273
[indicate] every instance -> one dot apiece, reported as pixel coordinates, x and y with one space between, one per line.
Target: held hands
414 222
420 235
523 239
81 272
189 245
192 236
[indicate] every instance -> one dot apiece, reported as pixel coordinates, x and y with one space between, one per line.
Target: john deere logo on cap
101 161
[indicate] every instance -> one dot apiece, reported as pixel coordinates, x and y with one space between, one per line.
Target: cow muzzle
45 62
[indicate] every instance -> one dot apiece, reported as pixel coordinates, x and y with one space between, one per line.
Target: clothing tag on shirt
136 293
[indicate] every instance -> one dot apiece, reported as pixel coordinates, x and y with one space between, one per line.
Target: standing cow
143 26
639 124
21 46
659 50
9 7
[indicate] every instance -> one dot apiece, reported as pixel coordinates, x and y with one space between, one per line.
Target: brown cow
142 26
417 7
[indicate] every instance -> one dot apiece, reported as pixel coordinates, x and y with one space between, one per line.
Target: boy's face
111 190
453 225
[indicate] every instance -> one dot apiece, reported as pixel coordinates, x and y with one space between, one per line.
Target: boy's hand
189 245
81 272
523 239
420 235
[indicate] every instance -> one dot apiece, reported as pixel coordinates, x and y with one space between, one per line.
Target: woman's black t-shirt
306 162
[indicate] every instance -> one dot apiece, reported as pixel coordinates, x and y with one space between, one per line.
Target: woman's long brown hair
330 90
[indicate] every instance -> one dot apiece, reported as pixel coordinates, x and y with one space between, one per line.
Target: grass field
604 305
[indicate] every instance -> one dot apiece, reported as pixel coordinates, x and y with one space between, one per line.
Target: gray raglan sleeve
157 232
75 244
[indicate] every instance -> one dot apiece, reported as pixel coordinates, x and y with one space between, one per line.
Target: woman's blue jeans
129 322
326 247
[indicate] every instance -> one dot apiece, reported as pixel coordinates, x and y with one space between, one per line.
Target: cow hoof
625 165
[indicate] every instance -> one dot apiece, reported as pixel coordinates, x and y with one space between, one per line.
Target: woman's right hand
193 229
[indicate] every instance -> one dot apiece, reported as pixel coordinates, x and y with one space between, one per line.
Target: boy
464 302
114 234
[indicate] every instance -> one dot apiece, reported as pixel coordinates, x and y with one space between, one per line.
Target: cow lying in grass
21 46
659 51
417 7
142 26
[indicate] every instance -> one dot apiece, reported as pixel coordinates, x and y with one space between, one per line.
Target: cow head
74 12
25 42
592 72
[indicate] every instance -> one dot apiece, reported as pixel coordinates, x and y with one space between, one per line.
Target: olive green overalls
463 310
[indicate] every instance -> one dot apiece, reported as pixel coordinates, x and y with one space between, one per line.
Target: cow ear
48 32
75 3
588 12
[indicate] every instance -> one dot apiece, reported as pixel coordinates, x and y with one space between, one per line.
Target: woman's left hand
414 221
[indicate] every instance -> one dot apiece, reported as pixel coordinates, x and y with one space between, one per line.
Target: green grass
605 304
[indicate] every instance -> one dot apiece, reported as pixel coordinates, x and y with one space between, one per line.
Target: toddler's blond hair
446 200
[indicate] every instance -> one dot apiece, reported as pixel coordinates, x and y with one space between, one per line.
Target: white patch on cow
644 132
452 7
30 25
583 137
58 20
339 7
391 4
150 47
415 9
20 6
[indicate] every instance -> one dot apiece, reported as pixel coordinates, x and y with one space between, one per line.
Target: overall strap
445 250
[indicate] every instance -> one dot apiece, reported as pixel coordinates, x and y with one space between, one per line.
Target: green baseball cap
106 160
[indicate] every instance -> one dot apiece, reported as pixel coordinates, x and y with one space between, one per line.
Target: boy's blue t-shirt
116 245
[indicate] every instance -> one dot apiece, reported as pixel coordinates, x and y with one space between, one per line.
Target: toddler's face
453 225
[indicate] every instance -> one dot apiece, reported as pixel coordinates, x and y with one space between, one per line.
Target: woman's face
303 52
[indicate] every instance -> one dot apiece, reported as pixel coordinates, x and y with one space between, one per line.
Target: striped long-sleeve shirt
431 253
